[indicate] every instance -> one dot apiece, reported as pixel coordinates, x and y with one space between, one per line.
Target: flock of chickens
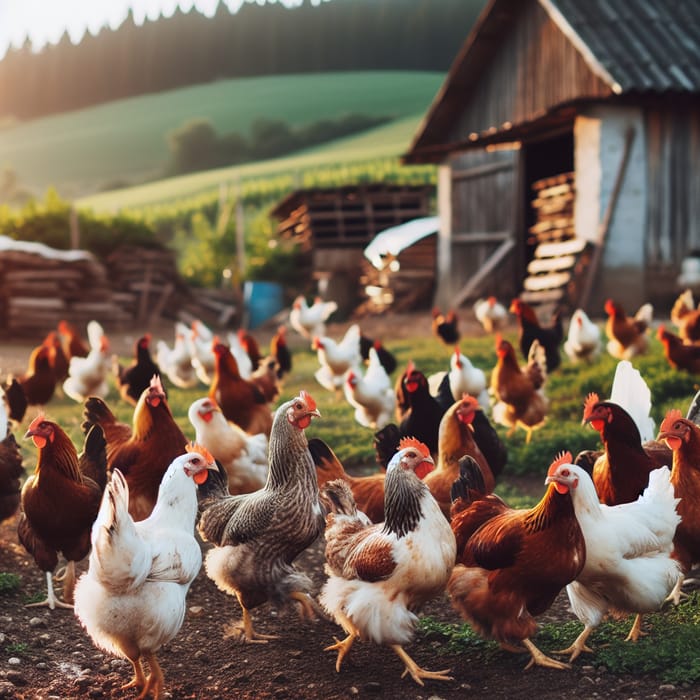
616 527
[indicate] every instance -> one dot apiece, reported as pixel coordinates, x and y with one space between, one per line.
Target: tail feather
337 496
470 480
93 459
630 391
327 464
97 412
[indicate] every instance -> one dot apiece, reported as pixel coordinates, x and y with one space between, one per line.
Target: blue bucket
262 301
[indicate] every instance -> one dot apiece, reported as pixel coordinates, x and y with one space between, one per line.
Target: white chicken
583 342
372 396
337 357
628 566
176 362
131 600
491 314
201 339
310 321
243 456
245 364
87 376
463 378
381 575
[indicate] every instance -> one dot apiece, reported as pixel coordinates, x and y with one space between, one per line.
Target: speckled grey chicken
257 536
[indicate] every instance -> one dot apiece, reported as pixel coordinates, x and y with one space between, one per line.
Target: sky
44 21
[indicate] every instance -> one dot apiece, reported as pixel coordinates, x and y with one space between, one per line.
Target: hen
257 536
10 466
15 398
446 326
491 314
88 375
385 443
60 501
131 600
57 357
240 400
243 456
686 317
583 343
337 357
512 563
39 382
372 395
627 336
456 439
462 378
628 566
679 355
279 349
380 576
266 378
386 357
73 344
250 344
519 391
201 341
310 321
245 364
176 361
136 377
143 451
549 337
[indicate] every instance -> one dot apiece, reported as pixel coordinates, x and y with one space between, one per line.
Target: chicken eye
298 406
565 472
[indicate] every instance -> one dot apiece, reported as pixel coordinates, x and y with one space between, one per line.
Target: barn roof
633 46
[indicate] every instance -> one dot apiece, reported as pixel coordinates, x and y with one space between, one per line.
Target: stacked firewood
554 209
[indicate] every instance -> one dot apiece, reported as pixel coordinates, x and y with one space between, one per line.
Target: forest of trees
189 48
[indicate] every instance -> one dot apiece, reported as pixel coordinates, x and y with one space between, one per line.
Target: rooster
628 565
73 344
519 391
250 344
337 357
491 314
445 326
583 343
310 321
627 336
379 576
136 377
512 563
57 357
372 395
60 502
679 355
10 466
87 375
257 536
176 361
530 329
131 600
686 317
462 378
240 400
279 349
142 451
243 456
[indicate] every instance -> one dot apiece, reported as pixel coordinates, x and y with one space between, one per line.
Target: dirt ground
46 654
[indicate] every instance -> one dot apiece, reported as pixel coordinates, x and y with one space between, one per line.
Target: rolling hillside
83 152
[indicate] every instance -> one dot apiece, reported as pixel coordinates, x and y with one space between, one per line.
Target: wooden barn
567 136
334 225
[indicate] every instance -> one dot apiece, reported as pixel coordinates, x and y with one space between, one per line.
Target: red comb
469 400
201 450
40 418
410 367
561 458
308 400
413 442
498 339
591 400
671 417
155 383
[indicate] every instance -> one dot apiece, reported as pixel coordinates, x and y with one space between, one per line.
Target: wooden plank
551 250
543 297
550 281
472 287
555 190
480 237
562 262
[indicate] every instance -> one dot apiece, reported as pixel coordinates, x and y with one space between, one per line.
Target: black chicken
445 326
421 420
550 337
132 380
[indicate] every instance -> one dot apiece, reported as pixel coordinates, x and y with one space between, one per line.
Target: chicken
683 437
583 343
380 576
57 358
385 443
279 349
201 340
367 491
136 377
512 563
372 395
266 378
60 502
176 361
131 600
88 375
686 317
386 357
627 336
243 456
310 321
549 337
240 400
456 439
142 451
250 345
245 365
38 384
10 466
462 378
679 355
519 391
491 314
257 536
73 344
628 567
15 398
337 357
446 326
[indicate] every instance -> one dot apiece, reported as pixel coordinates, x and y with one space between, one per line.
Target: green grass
80 152
9 582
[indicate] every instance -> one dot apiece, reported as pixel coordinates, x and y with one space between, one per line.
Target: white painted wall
443 287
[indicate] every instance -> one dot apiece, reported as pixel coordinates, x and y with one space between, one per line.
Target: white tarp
9 244
393 240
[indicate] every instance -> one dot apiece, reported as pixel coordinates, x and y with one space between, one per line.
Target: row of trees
189 48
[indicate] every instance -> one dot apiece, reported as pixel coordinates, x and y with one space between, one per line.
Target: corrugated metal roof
642 45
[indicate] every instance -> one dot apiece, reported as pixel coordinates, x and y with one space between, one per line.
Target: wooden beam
486 269
480 237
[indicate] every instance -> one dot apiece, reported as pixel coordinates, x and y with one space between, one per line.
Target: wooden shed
567 136
334 225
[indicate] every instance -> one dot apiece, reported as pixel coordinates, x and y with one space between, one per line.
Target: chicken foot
636 631
418 673
155 682
343 647
541 659
139 679
51 600
307 610
677 593
579 646
243 631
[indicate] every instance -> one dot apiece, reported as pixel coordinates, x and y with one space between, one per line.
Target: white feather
630 391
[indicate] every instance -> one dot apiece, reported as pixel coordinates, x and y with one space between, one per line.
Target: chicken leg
541 659
139 679
307 611
51 600
418 673
343 647
244 629
636 631
579 646
155 682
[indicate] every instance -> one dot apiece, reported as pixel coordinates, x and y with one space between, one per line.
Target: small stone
37 622
588 669
201 655
14 661
16 678
117 663
667 688
373 687
196 610
3 637
42 665
353 691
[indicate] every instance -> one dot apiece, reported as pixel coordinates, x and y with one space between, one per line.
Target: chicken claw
636 632
307 610
343 647
244 632
418 673
540 659
51 601
578 647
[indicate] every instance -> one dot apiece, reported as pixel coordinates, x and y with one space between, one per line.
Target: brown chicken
677 353
144 451
512 563
265 377
57 356
627 336
10 472
686 317
519 391
39 382
60 501
368 491
281 352
250 344
683 437
621 473
73 344
550 336
446 326
134 379
456 439
240 400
